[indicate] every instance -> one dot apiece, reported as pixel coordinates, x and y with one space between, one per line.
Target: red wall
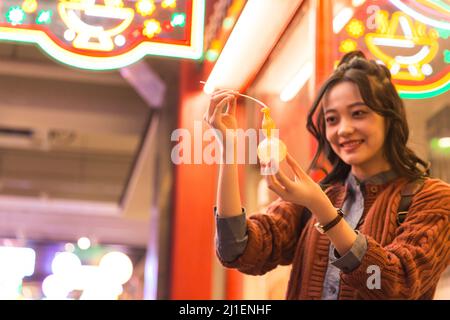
193 232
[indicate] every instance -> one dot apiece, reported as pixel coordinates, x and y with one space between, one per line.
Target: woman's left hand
302 191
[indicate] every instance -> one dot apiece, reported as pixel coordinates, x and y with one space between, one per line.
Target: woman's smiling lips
350 145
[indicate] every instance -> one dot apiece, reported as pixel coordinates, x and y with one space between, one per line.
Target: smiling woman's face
355 132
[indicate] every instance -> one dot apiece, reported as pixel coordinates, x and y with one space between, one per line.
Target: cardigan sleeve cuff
231 237
352 259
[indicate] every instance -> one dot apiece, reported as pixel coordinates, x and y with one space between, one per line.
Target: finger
206 116
216 116
284 180
218 101
220 104
214 101
298 171
273 185
231 106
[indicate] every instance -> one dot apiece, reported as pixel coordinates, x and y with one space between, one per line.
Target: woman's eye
330 120
359 114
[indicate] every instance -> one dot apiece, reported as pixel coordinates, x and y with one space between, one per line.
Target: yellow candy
271 148
267 123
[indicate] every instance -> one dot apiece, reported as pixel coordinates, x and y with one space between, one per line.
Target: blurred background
92 205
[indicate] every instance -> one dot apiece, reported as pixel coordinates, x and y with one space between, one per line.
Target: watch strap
332 223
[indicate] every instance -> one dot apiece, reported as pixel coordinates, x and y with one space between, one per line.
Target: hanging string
262 104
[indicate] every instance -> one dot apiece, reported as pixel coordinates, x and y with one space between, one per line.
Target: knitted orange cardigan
411 257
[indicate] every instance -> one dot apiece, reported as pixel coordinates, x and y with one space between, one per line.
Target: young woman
345 237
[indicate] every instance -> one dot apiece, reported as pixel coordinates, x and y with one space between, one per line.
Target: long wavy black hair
379 94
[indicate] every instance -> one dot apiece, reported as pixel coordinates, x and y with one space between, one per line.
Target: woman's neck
367 171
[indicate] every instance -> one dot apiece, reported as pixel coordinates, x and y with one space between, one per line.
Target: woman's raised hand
216 117
302 190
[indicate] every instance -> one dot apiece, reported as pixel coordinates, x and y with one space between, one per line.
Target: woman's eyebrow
355 104
351 105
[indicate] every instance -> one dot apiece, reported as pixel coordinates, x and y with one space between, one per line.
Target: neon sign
106 34
417 65
411 42
435 13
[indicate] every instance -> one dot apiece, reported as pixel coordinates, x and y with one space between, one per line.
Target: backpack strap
324 186
407 193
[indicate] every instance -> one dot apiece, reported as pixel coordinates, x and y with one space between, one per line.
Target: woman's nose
346 128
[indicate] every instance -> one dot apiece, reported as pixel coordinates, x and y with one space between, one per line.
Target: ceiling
78 149
69 142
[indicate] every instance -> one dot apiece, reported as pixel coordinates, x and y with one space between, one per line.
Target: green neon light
419 16
212 55
425 95
44 17
436 146
99 63
228 22
440 4
447 56
15 15
178 20
444 34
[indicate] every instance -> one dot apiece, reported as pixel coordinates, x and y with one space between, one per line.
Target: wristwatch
324 228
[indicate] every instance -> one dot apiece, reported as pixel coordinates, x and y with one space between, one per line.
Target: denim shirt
353 209
231 237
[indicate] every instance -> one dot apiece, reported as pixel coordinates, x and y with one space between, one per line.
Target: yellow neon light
414 36
145 7
114 3
347 46
382 21
355 28
151 27
427 90
169 4
85 32
193 51
29 6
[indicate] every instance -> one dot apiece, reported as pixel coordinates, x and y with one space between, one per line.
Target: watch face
319 227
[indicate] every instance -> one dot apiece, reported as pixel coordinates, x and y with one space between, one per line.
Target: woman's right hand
216 118
224 124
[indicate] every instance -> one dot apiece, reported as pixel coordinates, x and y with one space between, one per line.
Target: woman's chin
352 160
